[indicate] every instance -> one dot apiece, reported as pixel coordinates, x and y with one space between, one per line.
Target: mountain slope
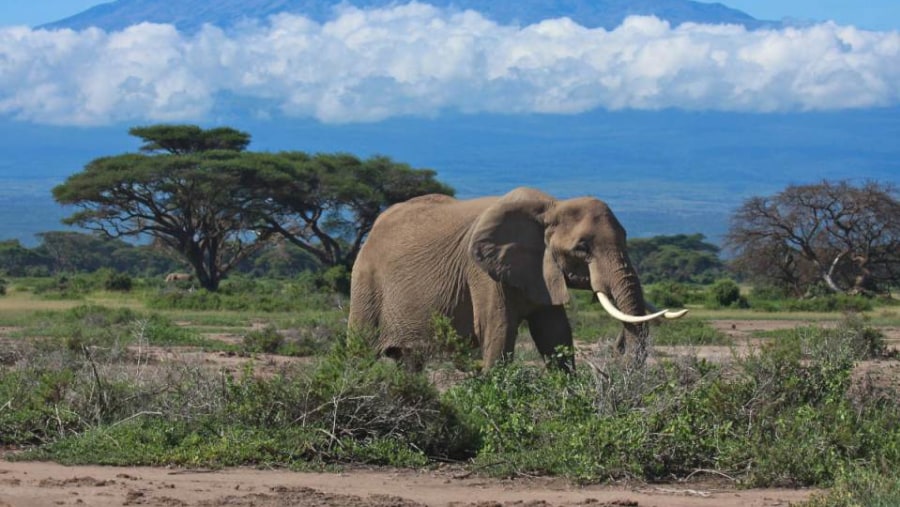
190 15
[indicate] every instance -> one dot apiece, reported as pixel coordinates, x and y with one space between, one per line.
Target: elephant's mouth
578 280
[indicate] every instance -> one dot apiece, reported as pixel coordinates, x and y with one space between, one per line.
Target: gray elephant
488 264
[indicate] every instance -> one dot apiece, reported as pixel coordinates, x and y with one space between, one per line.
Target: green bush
668 294
787 414
349 408
118 282
770 300
267 340
725 293
671 418
860 487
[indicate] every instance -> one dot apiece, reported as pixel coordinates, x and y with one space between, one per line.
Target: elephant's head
542 246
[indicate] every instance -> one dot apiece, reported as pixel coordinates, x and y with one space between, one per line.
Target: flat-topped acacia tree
200 195
178 190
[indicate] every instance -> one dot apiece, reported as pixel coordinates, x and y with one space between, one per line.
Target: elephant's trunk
622 296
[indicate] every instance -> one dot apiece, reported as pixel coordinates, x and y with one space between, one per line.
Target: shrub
118 282
771 300
267 340
672 418
668 294
725 293
349 408
860 487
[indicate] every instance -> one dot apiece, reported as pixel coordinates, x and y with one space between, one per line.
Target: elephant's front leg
552 335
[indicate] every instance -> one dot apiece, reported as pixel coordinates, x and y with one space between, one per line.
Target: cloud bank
415 59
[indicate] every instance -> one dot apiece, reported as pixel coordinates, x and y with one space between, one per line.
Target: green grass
788 414
688 331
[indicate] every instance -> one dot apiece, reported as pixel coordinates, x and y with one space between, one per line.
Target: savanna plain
149 393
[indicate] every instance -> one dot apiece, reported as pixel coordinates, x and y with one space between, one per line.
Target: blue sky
870 14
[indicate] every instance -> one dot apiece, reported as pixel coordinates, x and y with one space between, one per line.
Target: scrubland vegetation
82 381
249 362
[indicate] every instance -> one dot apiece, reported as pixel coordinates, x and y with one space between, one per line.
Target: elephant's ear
508 243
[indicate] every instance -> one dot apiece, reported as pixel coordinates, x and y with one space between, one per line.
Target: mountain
190 15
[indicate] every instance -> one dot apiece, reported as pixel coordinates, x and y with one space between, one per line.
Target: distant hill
190 15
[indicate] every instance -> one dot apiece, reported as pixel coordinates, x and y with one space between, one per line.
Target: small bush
668 294
860 487
267 340
118 282
725 293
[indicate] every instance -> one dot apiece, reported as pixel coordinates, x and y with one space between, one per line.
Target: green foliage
184 139
785 416
790 413
203 198
687 331
305 341
448 344
267 340
2 286
106 331
823 303
337 279
17 260
852 337
725 293
118 282
860 487
243 294
680 258
673 294
326 204
350 408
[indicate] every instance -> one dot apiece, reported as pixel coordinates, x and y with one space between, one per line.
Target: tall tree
199 194
846 236
327 203
678 258
180 191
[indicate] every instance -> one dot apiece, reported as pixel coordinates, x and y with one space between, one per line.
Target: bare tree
843 235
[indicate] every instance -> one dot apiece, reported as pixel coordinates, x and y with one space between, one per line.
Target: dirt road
46 484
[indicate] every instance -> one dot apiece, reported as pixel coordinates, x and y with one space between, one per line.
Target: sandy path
47 484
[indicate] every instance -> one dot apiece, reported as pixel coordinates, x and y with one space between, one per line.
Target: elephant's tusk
669 313
675 315
624 317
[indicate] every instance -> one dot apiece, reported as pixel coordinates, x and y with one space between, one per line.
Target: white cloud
416 59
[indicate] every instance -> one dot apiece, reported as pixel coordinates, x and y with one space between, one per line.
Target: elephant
490 263
179 277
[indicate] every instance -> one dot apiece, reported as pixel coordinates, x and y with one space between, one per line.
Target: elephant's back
427 217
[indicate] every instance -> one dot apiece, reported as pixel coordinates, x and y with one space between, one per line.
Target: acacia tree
327 203
200 195
843 235
179 191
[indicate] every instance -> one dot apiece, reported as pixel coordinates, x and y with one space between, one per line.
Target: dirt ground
38 484
47 484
